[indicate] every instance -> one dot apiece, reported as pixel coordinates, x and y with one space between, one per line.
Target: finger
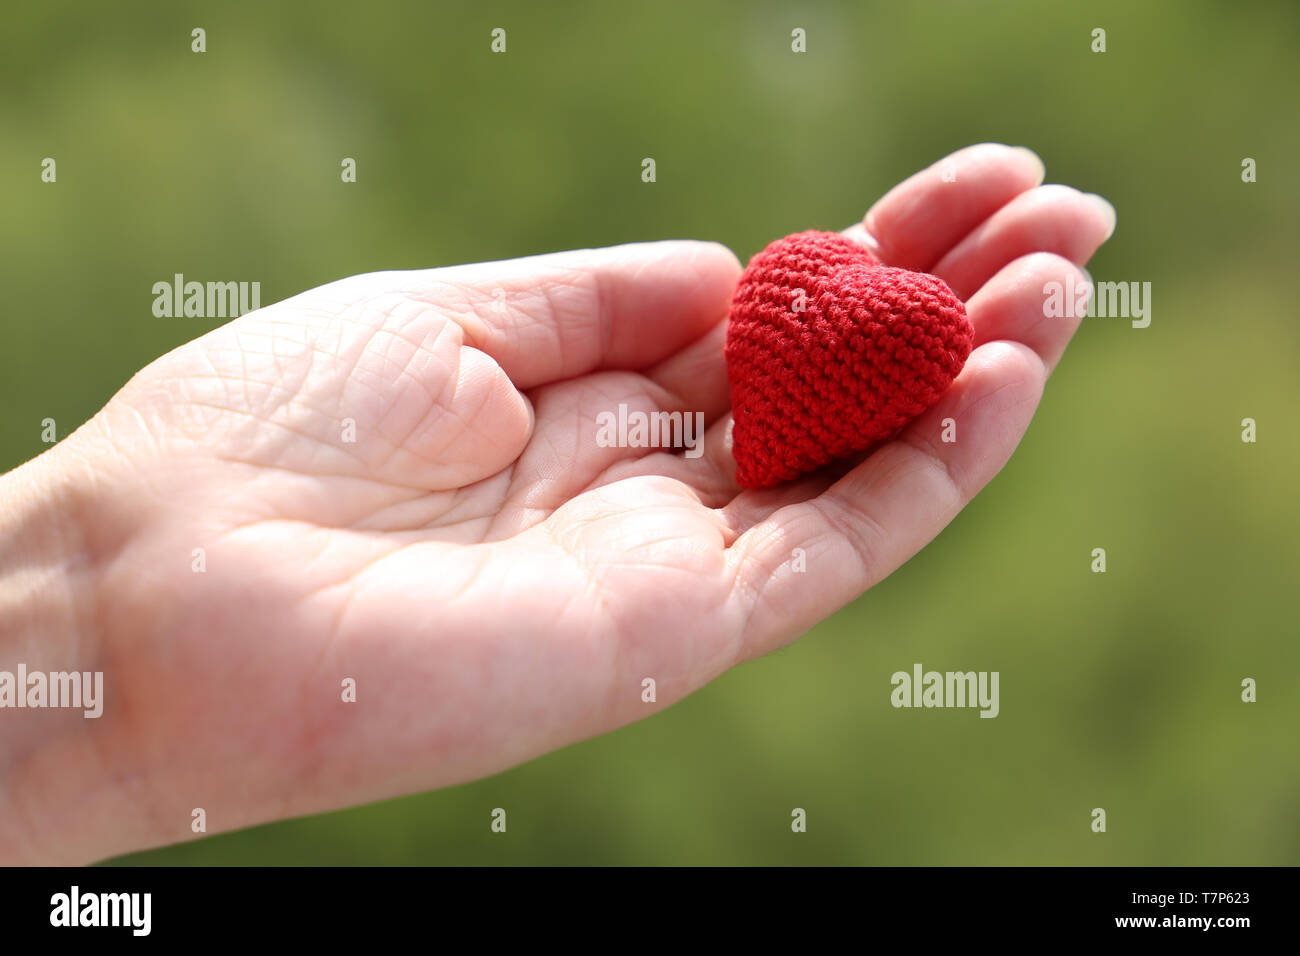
887 508
1047 219
924 216
552 317
1013 305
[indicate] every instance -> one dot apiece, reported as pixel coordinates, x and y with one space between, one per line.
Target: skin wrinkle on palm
582 554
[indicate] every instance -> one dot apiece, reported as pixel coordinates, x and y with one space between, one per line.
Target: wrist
51 658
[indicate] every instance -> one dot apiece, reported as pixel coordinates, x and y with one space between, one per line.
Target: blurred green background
1118 690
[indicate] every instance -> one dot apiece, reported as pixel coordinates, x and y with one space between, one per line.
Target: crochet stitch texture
846 364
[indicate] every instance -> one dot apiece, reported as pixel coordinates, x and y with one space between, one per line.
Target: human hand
496 582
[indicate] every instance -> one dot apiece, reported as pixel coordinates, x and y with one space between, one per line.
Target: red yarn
873 348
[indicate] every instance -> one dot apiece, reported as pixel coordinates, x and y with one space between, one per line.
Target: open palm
393 483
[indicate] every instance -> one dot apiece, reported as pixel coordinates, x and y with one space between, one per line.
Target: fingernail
868 240
1108 211
1037 160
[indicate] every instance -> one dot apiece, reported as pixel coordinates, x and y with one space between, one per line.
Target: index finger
551 317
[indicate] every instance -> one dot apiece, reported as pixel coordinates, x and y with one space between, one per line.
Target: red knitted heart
829 352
